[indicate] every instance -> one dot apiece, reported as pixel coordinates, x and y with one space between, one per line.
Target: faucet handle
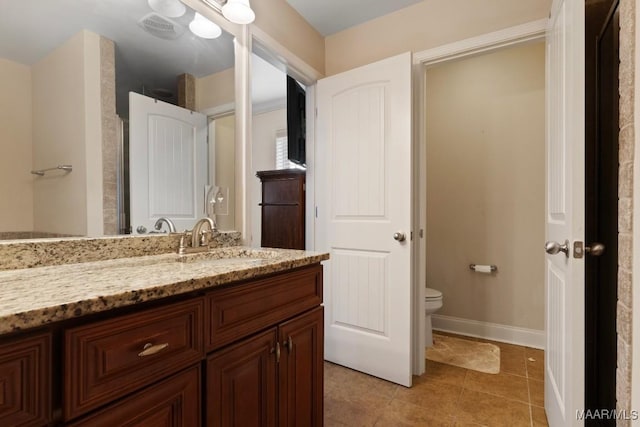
182 249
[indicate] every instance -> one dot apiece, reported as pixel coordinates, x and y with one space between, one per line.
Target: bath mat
479 356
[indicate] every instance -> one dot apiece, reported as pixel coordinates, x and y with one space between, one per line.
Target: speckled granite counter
37 296
43 252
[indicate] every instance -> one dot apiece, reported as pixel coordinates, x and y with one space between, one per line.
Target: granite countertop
37 296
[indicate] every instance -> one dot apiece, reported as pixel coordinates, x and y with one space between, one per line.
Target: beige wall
225 166
485 185
215 90
280 21
263 155
425 25
16 189
67 130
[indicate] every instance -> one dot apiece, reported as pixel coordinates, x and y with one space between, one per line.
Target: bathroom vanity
233 336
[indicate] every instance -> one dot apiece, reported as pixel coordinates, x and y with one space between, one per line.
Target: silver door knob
399 236
553 248
596 249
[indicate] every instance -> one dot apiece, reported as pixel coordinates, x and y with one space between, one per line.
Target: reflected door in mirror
168 163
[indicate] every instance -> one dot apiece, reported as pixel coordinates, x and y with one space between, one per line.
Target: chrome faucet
198 235
170 224
199 238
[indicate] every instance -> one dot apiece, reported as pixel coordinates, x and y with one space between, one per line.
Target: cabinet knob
150 349
289 344
276 350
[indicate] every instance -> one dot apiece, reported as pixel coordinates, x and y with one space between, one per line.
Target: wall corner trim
530 31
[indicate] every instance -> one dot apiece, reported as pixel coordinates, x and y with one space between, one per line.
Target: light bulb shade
168 8
202 27
238 12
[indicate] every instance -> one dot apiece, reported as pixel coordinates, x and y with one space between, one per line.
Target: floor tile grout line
530 410
501 397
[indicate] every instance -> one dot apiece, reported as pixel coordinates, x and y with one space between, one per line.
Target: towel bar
41 172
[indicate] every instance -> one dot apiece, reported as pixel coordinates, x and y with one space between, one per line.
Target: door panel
168 163
564 356
301 371
601 272
364 181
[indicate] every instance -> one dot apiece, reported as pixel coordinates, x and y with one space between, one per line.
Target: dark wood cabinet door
241 383
174 402
25 381
301 370
283 208
282 227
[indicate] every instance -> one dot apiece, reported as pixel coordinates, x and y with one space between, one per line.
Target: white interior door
167 163
363 177
564 356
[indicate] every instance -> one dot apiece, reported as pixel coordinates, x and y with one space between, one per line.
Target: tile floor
445 396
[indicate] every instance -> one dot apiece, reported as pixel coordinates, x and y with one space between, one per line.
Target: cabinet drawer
108 359
282 191
237 312
25 380
174 402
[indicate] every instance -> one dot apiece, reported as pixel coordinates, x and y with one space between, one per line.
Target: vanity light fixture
202 27
238 12
168 8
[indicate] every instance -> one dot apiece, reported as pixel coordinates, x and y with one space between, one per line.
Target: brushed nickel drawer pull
150 349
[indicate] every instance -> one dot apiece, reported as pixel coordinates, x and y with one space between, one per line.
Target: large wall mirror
270 125
98 95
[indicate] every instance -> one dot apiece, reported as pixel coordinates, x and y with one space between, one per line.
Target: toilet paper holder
492 267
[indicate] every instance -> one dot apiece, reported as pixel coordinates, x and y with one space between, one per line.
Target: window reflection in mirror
66 70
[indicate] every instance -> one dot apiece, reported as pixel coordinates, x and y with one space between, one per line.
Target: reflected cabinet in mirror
105 117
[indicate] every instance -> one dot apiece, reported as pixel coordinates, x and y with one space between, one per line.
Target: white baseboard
491 331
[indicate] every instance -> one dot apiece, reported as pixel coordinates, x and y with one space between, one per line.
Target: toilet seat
431 294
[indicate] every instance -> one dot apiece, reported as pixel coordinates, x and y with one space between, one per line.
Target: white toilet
432 303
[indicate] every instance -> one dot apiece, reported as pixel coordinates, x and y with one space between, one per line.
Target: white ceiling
331 16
